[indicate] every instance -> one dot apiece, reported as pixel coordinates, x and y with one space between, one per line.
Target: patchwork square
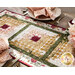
35 40
62 47
10 25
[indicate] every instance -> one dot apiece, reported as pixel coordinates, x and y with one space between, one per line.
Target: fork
58 21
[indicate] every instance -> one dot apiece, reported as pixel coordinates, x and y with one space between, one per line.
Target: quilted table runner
36 43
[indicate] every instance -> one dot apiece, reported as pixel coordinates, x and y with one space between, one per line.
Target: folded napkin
4 56
44 12
3 44
4 53
71 37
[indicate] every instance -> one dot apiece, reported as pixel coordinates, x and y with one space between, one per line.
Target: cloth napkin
44 12
4 53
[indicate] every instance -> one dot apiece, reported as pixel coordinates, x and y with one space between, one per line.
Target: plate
57 13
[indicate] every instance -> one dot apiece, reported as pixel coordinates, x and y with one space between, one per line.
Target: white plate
56 12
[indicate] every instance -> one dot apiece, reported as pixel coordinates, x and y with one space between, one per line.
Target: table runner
17 26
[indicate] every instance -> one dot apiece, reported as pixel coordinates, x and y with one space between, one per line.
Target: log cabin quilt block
63 47
10 25
35 40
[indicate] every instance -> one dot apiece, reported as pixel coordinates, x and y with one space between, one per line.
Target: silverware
58 21
17 64
11 63
25 12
